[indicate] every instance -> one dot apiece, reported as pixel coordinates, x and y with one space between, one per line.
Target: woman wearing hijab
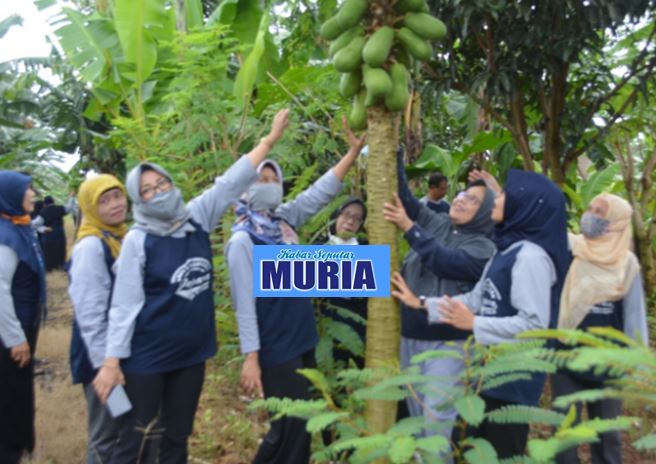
103 204
345 224
53 239
161 321
278 335
603 288
447 257
518 291
22 298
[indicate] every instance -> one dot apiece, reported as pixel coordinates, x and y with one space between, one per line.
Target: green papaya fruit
344 39
425 25
332 28
398 97
357 119
378 46
370 100
405 6
350 83
376 81
404 57
349 58
417 46
351 12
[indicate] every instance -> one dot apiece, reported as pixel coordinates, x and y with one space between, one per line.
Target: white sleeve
89 290
532 277
128 297
11 331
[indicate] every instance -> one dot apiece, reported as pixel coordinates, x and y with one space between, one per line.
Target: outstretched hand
489 179
355 143
396 214
403 292
279 125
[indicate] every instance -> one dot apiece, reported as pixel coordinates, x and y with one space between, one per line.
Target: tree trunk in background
383 325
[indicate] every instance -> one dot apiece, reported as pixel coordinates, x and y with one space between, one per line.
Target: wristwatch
422 302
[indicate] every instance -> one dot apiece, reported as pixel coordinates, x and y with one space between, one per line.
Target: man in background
438 185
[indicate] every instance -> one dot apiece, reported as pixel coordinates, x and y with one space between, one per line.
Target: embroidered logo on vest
193 278
491 297
604 308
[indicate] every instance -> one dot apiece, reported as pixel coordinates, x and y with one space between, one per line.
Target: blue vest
605 314
496 303
176 326
82 370
414 324
25 290
286 327
27 286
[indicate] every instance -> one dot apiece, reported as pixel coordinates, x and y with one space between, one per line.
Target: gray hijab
472 237
163 214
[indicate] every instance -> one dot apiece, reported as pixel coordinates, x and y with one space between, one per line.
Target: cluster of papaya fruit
374 62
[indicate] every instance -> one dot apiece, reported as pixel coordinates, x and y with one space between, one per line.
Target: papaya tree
373 45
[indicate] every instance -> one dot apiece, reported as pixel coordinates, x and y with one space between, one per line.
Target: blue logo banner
321 270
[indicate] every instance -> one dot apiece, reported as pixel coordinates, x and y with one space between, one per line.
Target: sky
29 40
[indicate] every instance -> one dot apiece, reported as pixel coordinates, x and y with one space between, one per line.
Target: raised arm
208 207
308 203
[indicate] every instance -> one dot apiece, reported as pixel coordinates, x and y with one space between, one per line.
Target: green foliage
481 452
524 415
471 408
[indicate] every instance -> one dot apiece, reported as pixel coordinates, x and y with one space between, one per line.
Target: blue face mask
592 226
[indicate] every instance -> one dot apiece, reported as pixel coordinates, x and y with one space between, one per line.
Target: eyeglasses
352 218
162 185
469 198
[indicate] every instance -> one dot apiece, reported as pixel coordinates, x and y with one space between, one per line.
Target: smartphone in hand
118 402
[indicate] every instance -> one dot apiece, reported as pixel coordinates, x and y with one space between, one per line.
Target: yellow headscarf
603 268
88 195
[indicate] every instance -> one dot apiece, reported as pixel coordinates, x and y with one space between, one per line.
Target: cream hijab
603 268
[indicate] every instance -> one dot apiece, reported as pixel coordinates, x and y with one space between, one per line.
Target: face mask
165 205
264 196
593 226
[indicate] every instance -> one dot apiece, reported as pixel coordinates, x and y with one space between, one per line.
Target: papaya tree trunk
383 324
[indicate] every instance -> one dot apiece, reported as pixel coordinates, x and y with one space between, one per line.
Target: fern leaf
648 442
317 379
518 460
471 408
323 353
346 336
434 444
435 354
320 422
402 449
482 452
499 380
520 414
371 442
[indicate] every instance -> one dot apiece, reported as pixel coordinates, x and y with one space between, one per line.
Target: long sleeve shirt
90 290
11 331
239 254
128 297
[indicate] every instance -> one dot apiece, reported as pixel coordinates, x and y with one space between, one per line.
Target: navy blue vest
82 370
176 326
25 290
286 327
496 303
605 314
414 324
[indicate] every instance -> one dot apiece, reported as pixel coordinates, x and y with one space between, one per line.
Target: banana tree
373 45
